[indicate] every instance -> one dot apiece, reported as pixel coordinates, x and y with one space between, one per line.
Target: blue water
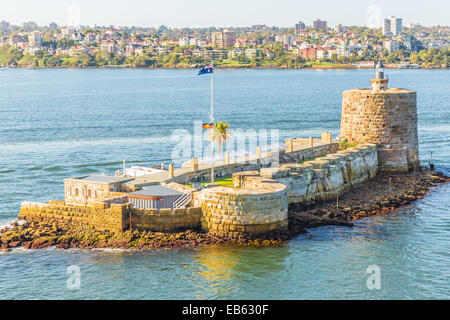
61 123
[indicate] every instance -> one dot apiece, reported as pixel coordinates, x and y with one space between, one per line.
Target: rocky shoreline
381 195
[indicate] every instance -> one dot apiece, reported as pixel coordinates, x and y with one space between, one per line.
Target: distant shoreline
323 67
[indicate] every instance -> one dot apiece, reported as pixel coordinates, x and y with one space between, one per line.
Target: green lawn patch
223 182
310 159
345 145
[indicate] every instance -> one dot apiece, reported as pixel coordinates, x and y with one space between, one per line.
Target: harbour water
57 123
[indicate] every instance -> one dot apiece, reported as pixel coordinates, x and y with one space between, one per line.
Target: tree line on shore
179 57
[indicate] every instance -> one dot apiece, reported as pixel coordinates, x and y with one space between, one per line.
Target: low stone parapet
238 177
326 177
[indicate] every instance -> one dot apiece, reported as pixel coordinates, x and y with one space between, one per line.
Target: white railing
183 201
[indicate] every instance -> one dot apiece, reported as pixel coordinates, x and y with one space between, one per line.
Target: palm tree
221 133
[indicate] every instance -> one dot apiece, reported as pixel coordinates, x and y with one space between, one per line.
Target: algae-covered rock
43 242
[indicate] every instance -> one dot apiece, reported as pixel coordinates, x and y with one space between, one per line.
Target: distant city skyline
230 13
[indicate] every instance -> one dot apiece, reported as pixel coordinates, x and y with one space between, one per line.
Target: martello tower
385 116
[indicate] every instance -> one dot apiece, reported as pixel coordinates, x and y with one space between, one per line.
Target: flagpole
212 121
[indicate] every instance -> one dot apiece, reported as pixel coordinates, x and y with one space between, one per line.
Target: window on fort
76 191
89 193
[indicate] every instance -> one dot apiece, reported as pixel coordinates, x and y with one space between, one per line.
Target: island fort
378 126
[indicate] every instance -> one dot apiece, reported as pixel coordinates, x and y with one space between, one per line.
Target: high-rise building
299 26
386 28
223 39
396 26
53 26
4 25
35 39
28 26
319 25
392 26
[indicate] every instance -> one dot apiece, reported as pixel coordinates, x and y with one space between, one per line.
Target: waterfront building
366 64
319 25
308 53
235 53
251 53
214 54
223 39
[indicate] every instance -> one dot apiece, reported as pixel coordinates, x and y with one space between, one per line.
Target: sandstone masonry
387 117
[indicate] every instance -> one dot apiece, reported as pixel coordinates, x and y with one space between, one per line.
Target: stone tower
385 116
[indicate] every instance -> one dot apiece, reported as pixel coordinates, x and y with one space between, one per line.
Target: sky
223 13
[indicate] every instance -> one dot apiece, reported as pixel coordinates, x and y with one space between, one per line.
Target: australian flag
206 69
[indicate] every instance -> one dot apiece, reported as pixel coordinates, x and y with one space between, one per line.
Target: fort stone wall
326 177
259 202
102 216
114 216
